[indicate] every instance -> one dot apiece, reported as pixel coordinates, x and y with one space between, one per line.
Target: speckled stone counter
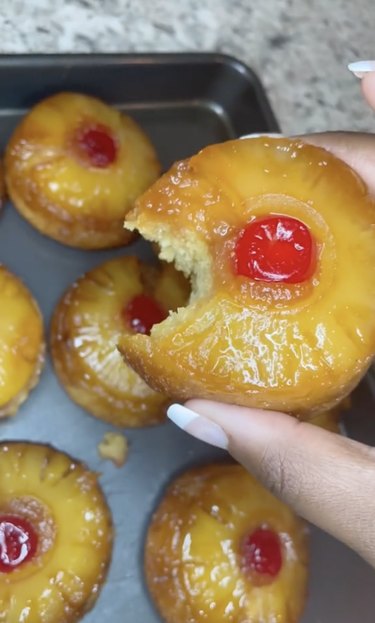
299 51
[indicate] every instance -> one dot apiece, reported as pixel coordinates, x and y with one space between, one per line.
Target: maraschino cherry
275 249
142 312
97 145
18 542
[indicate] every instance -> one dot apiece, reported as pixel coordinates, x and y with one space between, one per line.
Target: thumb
328 479
355 148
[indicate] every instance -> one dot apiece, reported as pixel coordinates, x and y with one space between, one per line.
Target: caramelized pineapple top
73 147
21 340
120 296
221 548
278 236
56 535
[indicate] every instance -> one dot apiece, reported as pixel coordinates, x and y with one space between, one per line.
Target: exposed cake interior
190 255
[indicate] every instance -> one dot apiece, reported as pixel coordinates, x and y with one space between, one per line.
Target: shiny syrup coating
299 347
74 166
195 546
18 542
21 342
122 295
55 535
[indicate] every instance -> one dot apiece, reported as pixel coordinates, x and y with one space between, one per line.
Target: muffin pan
183 102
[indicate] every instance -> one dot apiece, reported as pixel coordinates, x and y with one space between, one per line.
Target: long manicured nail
265 134
198 426
360 68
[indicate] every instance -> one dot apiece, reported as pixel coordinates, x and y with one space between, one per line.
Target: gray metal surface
342 587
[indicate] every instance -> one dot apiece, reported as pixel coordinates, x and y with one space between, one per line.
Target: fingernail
360 68
198 426
265 134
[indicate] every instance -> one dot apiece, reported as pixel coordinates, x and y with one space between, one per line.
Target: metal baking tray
184 101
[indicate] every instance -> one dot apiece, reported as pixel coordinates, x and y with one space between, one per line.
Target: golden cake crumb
114 447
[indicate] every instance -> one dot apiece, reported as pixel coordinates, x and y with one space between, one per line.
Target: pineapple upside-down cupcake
21 343
121 295
279 239
55 535
74 167
220 547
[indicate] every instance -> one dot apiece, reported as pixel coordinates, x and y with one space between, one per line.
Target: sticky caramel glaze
86 327
195 553
291 347
21 343
60 188
63 502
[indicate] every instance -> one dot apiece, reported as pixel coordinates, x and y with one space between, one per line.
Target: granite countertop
299 52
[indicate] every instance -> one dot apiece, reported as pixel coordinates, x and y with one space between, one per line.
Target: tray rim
64 60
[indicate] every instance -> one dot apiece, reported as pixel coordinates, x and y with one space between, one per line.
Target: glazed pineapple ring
279 238
222 548
121 295
21 343
74 167
56 535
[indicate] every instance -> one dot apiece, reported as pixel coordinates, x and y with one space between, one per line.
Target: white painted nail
269 135
360 68
198 426
181 416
